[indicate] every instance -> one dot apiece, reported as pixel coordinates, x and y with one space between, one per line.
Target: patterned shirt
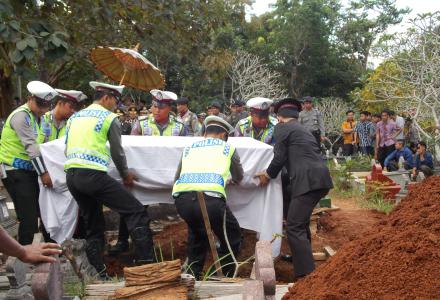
386 132
364 130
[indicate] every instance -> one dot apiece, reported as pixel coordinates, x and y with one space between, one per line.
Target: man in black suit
297 149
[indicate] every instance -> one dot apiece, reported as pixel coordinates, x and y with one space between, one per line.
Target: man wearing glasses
87 163
160 122
20 159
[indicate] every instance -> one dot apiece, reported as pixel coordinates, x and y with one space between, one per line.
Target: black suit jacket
297 149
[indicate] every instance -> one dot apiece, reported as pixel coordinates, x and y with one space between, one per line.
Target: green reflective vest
246 129
48 128
150 128
205 167
12 151
86 138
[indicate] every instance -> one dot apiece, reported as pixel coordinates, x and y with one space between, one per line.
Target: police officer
187 117
87 163
259 125
20 159
53 123
205 167
311 118
160 122
297 149
237 112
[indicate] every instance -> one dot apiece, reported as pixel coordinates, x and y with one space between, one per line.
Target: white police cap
41 90
165 96
100 86
217 121
77 96
259 103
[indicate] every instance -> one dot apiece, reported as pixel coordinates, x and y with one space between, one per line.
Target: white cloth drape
154 160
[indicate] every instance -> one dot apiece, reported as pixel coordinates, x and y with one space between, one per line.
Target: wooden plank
164 272
329 251
324 209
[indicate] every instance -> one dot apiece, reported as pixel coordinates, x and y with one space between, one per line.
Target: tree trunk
5 95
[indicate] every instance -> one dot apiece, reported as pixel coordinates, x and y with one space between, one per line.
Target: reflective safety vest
150 128
246 130
48 128
205 167
86 138
12 151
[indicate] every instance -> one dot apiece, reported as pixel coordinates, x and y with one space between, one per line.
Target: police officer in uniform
20 159
53 123
87 163
297 149
205 167
160 122
259 125
311 118
187 117
237 112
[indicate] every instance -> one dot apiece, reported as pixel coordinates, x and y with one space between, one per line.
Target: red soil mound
399 259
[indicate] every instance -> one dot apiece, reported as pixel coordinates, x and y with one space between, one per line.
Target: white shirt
401 123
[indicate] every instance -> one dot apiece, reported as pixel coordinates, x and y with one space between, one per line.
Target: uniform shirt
365 130
406 153
137 130
312 120
20 122
116 151
348 137
191 122
386 132
46 128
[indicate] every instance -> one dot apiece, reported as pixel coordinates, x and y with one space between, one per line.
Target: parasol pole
202 203
123 77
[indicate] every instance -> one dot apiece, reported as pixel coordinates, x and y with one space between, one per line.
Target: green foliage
374 199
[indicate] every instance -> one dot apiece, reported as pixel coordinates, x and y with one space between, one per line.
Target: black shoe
94 255
120 247
143 245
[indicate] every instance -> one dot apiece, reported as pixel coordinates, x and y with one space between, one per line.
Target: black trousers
383 152
24 190
92 189
189 209
298 230
348 149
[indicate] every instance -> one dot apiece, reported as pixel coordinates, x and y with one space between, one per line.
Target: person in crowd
123 117
400 123
88 157
143 111
349 134
259 125
33 253
201 117
391 162
160 122
375 118
215 110
187 117
297 149
410 133
53 123
311 118
363 133
205 167
21 162
237 112
386 133
424 162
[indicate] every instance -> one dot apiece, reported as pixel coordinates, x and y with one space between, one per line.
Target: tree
250 77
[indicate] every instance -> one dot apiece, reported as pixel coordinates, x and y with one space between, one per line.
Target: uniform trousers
24 190
92 189
298 230
189 209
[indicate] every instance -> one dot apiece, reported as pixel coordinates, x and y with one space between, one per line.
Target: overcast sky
417 7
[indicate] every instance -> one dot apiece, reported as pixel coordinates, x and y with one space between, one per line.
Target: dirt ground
334 229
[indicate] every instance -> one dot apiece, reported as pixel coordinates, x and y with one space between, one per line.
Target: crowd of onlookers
392 140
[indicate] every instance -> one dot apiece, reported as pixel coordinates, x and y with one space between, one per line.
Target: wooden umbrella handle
123 77
202 203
